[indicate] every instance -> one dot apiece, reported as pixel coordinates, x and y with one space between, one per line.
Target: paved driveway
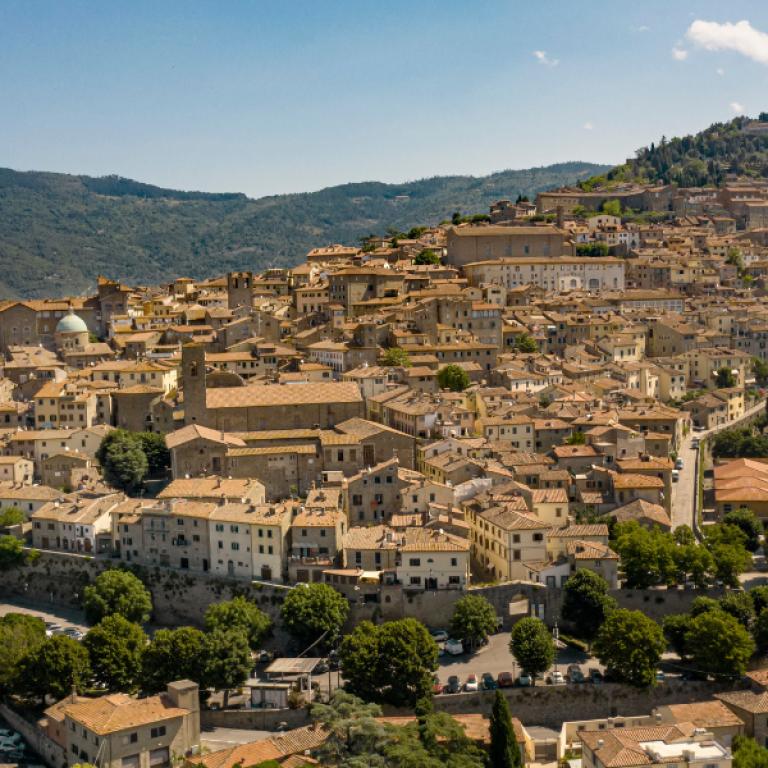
496 657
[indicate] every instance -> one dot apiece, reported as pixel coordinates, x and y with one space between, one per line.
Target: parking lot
63 617
495 657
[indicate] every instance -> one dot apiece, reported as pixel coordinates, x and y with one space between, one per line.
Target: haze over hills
59 231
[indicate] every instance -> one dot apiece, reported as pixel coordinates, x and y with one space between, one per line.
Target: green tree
115 646
156 451
694 562
427 256
55 667
612 207
173 654
647 556
719 644
122 460
239 613
11 516
739 605
453 377
474 618
759 597
312 610
352 729
19 634
532 646
704 604
747 753
725 378
760 370
630 644
586 602
746 521
390 663
504 751
760 631
226 661
576 437
396 357
675 627
11 553
526 343
731 560
117 591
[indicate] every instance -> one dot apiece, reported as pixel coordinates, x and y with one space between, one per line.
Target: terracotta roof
754 703
118 711
283 394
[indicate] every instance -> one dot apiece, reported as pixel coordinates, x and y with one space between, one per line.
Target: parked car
675 475
660 676
437 686
499 623
471 683
505 680
439 635
575 675
556 678
595 675
74 633
322 666
53 629
265 657
525 680
487 682
695 443
679 463
454 686
454 647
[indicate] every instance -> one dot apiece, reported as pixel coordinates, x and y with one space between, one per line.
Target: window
134 737
538 536
304 532
415 580
157 732
235 546
515 538
219 527
414 561
357 499
454 561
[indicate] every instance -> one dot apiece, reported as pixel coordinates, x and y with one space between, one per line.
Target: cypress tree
504 751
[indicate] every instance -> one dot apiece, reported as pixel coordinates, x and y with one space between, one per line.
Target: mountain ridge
59 231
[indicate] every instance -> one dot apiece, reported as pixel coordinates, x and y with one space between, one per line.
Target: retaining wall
49 751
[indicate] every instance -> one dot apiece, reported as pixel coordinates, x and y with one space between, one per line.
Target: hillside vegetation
738 147
58 232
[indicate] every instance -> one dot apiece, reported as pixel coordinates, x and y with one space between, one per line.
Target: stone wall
253 719
178 597
49 751
550 705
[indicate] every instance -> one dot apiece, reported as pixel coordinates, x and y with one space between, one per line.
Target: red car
437 686
505 680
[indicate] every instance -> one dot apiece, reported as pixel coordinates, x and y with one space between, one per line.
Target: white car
556 678
454 647
472 684
439 635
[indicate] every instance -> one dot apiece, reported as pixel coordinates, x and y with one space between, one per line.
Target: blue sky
266 97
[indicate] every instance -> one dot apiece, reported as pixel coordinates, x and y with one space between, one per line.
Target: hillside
58 232
739 147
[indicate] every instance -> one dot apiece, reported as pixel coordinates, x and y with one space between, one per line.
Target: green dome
71 323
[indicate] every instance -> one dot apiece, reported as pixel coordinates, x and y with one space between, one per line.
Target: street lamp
555 640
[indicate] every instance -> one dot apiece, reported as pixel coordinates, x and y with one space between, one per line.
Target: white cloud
679 54
544 58
720 71
737 108
740 37
588 126
641 28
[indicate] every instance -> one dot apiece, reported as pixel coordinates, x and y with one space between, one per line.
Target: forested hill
738 147
58 232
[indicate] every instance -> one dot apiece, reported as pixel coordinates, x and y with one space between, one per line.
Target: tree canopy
239 613
396 357
19 634
504 751
390 663
312 610
532 646
586 603
630 645
123 460
173 654
453 377
719 644
115 647
117 591
55 667
474 618
427 256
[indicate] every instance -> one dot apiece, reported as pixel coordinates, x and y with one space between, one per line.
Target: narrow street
685 489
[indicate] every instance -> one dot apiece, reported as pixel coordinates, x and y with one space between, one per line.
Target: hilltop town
544 419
